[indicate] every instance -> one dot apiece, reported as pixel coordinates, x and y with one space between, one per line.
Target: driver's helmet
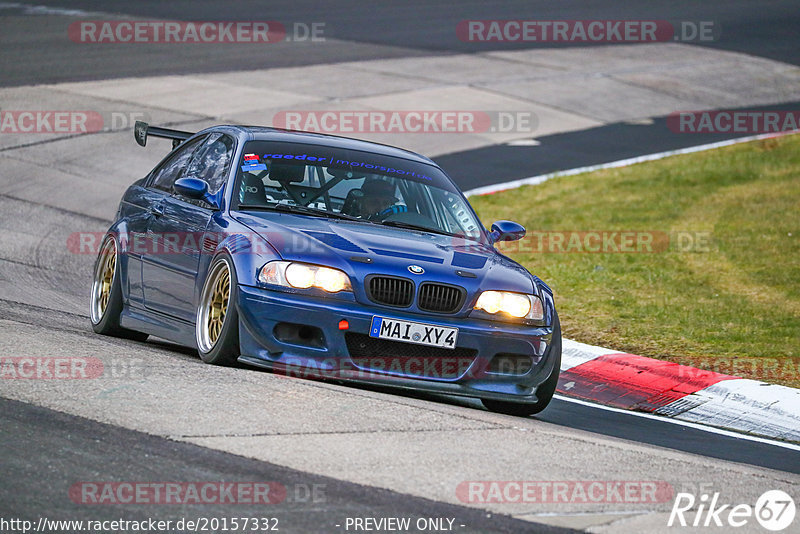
378 199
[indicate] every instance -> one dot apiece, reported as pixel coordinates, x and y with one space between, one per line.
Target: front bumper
465 371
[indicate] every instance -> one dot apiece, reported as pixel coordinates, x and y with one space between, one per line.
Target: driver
379 201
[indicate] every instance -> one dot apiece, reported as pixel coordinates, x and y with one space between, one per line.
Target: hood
361 249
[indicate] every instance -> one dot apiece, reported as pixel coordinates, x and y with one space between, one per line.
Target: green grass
732 306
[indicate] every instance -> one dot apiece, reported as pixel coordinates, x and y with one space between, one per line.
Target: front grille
440 298
391 291
396 357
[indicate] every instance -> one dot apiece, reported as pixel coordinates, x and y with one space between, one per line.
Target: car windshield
347 184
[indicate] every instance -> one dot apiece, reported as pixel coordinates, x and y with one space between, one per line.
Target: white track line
46 10
697 426
535 180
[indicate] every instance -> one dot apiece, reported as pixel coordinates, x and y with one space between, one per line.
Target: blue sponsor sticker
254 167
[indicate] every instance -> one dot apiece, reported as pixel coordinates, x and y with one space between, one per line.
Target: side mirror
506 231
194 188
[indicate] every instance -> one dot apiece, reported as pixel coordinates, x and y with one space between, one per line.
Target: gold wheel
104 279
214 306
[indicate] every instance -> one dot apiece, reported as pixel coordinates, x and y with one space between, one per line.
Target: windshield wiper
411 226
305 210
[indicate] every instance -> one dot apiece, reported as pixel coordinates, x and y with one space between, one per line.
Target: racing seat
252 190
288 175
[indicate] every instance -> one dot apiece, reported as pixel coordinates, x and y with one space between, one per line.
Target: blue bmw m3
325 257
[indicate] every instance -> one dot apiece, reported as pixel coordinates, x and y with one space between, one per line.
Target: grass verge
719 286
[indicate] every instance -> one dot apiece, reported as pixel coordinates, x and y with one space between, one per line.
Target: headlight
303 276
517 305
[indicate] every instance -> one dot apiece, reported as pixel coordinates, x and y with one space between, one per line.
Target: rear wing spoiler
141 130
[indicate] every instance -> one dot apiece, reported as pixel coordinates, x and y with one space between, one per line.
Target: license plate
411 332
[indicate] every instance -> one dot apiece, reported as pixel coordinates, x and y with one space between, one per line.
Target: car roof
264 133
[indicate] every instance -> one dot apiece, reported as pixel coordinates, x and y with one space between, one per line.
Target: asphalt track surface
312 503
357 30
603 144
53 449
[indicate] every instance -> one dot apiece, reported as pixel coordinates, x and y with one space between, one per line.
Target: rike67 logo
774 510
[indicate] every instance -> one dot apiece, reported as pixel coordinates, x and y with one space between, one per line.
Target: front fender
248 251
125 268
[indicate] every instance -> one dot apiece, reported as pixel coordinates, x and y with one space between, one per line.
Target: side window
211 161
170 170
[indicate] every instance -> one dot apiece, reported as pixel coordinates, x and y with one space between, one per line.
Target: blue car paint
161 293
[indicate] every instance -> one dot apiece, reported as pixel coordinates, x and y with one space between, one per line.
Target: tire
544 393
217 320
105 305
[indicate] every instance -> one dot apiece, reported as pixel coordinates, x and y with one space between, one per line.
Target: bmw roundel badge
416 269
